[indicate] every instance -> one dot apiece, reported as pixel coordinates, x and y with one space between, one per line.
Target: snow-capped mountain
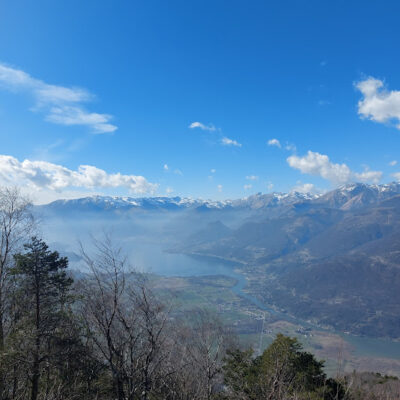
345 197
109 203
358 195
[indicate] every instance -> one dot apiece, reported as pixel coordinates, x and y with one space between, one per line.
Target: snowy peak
358 195
345 197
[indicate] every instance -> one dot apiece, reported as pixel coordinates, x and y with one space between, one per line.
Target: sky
204 99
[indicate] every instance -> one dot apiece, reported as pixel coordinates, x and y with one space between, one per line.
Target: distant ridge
349 196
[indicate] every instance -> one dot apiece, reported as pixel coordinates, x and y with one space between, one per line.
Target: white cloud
247 187
368 176
393 163
252 177
270 186
166 168
378 104
396 176
61 105
45 196
304 188
169 190
230 142
67 115
319 165
213 170
274 142
203 127
219 188
40 175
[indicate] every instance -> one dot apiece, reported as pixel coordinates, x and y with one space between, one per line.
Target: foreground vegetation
106 335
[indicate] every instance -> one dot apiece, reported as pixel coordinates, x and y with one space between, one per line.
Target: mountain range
332 258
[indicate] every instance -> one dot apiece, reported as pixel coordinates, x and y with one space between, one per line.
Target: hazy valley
332 260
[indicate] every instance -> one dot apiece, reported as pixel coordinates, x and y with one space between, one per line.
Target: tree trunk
36 352
35 378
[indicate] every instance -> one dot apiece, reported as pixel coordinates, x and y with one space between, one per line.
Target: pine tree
43 296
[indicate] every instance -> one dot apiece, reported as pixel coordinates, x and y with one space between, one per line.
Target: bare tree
208 342
124 320
16 224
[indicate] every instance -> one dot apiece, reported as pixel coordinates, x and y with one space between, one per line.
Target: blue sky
182 97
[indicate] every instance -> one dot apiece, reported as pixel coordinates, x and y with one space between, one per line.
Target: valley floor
257 328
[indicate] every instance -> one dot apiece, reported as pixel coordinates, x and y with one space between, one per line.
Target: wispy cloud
230 142
177 171
203 127
225 141
68 115
219 188
252 177
290 147
396 176
378 104
61 105
169 190
45 175
319 165
274 142
393 163
247 187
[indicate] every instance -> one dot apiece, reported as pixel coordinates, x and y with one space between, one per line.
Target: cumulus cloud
304 188
252 177
61 105
378 103
203 127
45 175
230 142
274 142
319 165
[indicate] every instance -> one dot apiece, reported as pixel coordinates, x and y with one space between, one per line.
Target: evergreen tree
283 371
43 297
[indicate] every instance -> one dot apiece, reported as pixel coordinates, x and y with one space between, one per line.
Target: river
152 258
